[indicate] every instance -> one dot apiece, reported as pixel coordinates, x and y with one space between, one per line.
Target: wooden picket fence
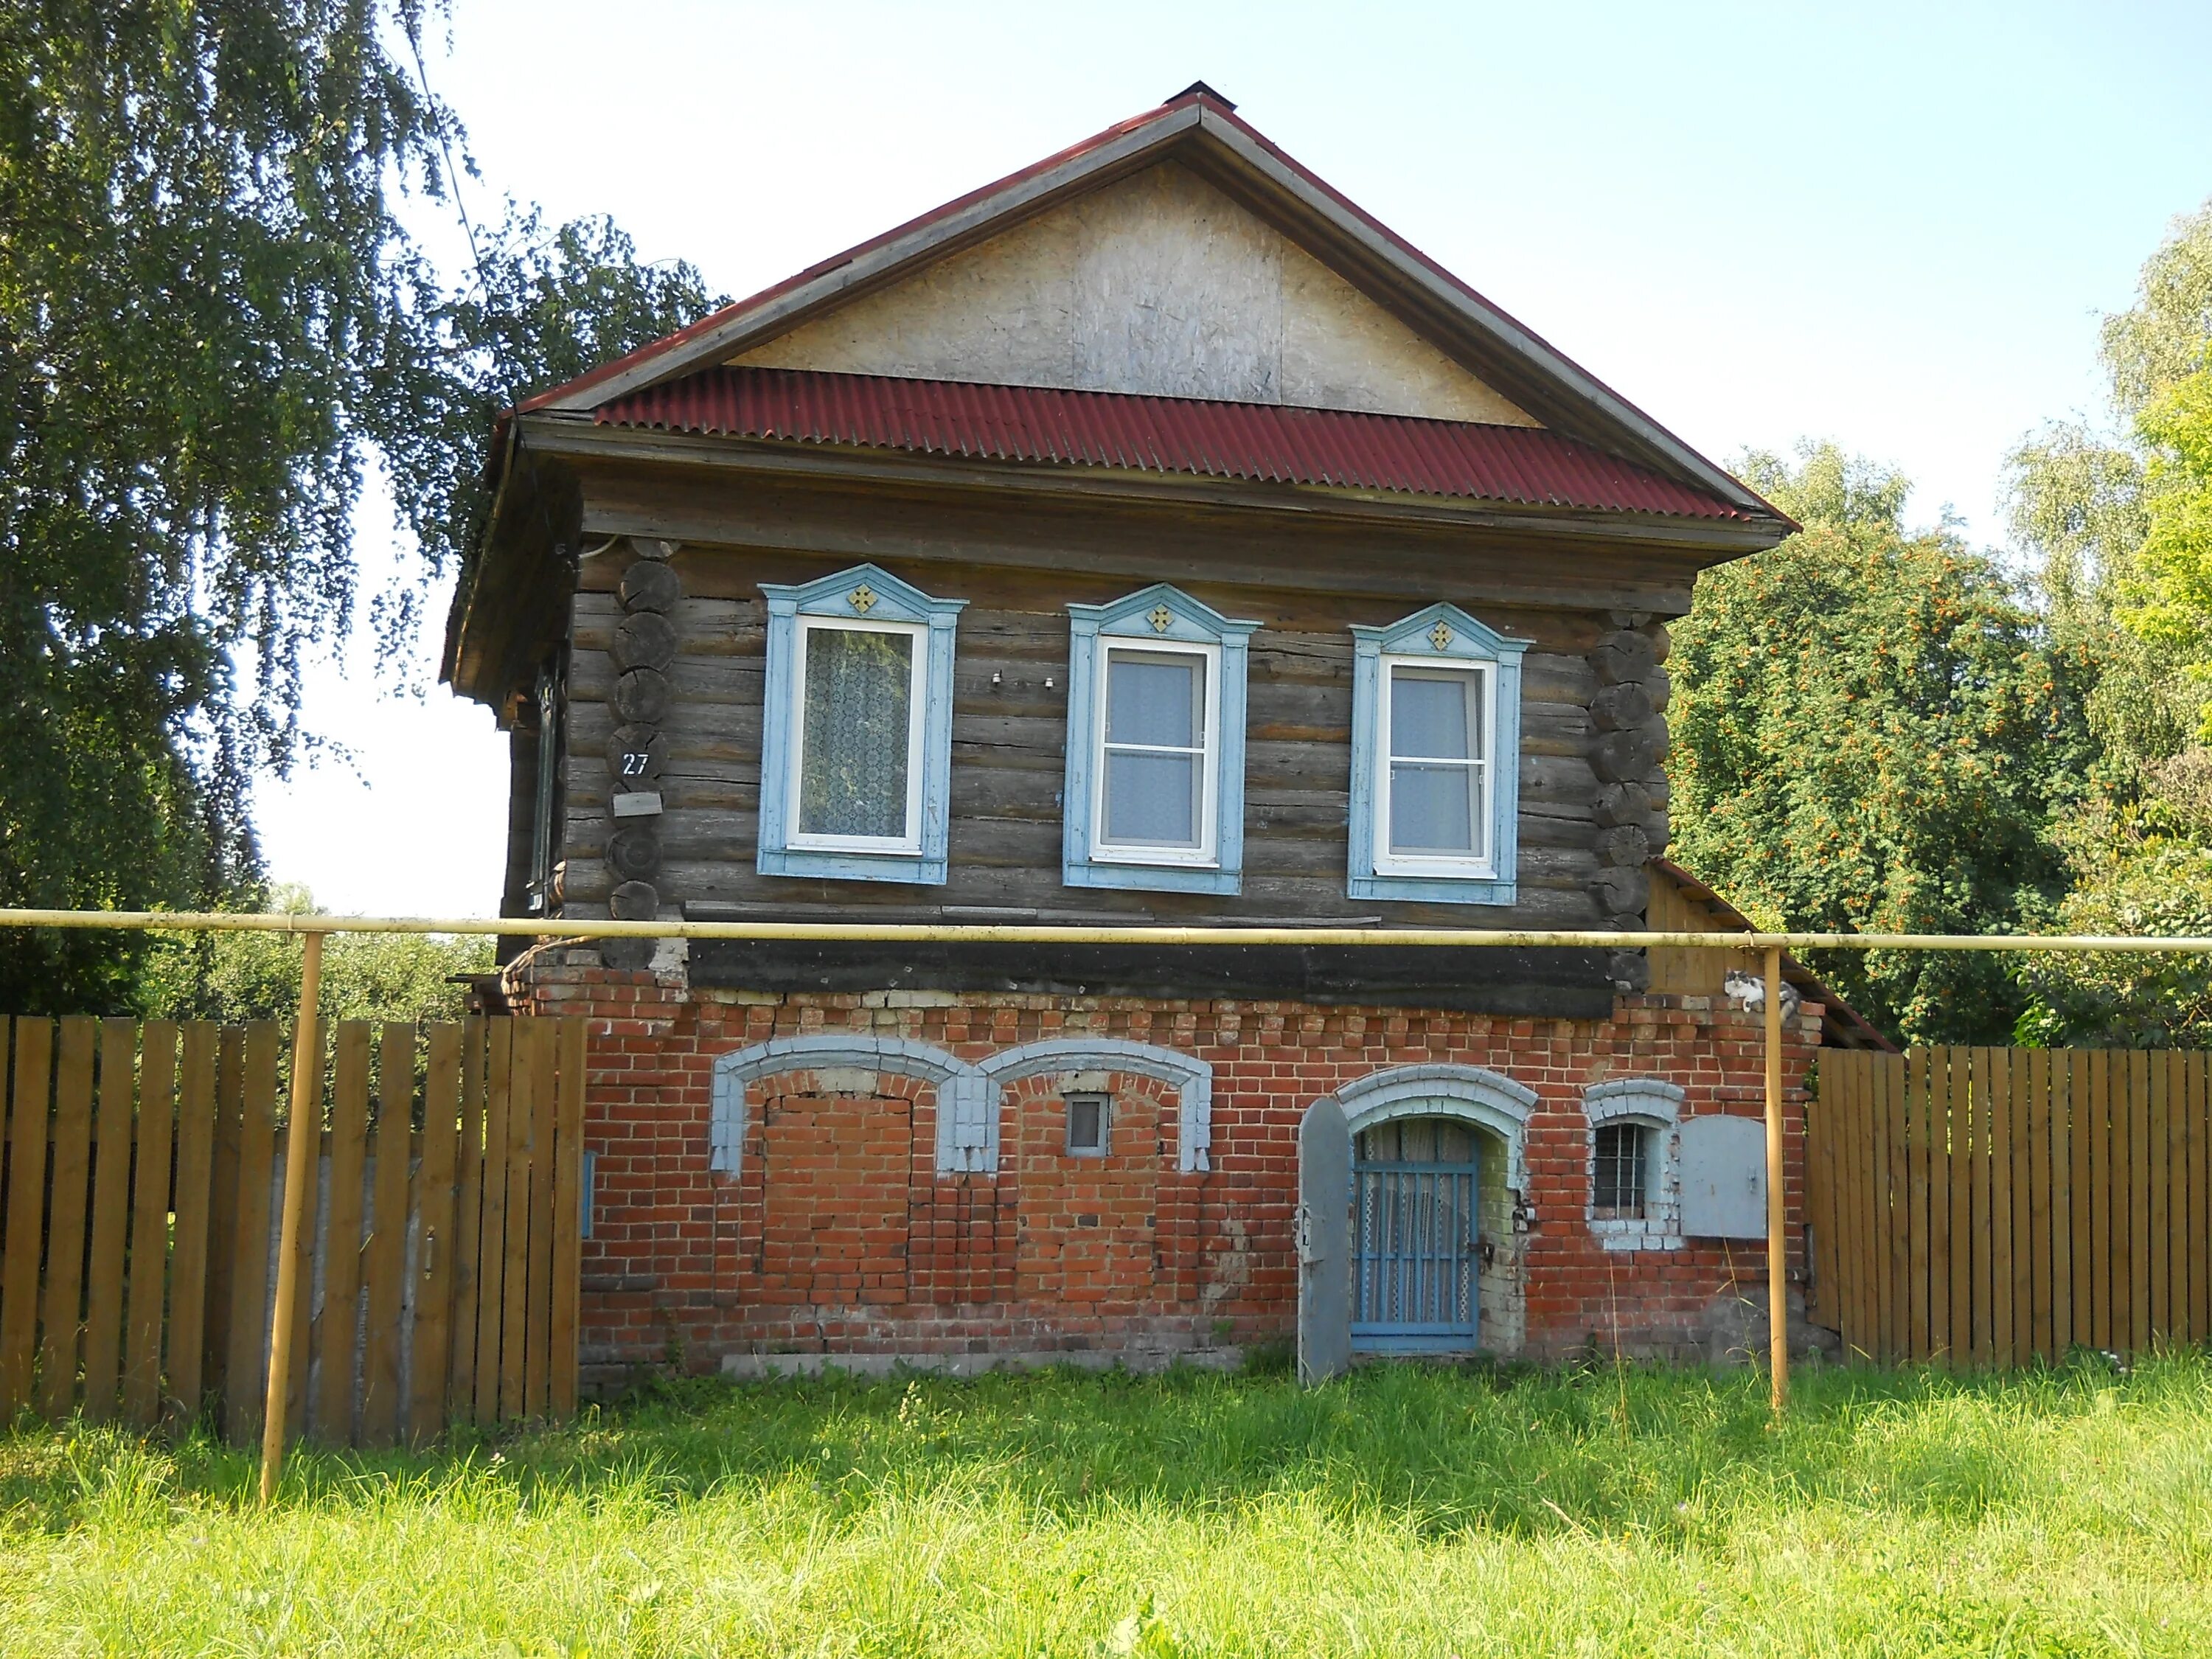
1996 1206
141 1205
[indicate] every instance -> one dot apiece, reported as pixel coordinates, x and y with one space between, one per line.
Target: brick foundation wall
837 1234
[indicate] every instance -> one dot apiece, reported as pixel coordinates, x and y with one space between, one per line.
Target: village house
1148 537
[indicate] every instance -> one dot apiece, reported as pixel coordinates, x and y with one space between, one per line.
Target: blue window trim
870 594
1159 614
1443 634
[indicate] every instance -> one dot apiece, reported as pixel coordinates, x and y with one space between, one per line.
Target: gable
1156 285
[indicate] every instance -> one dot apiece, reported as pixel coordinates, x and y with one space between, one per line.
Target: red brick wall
839 1236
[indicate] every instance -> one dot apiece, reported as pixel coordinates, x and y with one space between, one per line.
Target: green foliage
241 976
1407 1509
211 325
1872 733
2120 529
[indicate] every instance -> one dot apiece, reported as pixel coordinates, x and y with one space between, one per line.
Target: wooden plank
2200 1201
222 1206
384 1256
189 1259
430 1352
567 1218
1985 1306
2019 1168
491 1248
544 1207
1996 1095
27 1202
245 1366
1896 1326
514 1311
1866 1184
1847 1281
2157 1276
2098 1254
61 1314
468 1204
336 1326
2062 1202
1818 1220
1958 1087
147 1277
1919 1151
2037 1326
2135 1179
111 1219
2174 1182
1831 1220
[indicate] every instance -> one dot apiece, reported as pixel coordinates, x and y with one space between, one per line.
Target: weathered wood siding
1008 748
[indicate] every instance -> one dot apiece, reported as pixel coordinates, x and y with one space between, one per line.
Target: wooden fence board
2019 1162
2036 1258
1976 1220
26 1200
62 1309
110 1217
147 1272
189 1251
1995 1073
2173 1182
1895 1335
2062 1200
2139 1208
222 1205
430 1353
491 1244
1918 1152
1854 1225
337 1326
246 1375
567 1218
513 1323
2158 1271
2199 1202
2098 1255
385 1255
468 1202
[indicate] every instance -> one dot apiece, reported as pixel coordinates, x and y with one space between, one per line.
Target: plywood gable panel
1158 285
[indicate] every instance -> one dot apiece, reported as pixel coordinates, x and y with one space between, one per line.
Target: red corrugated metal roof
1268 443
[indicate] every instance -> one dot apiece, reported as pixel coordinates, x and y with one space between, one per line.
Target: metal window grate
1621 1174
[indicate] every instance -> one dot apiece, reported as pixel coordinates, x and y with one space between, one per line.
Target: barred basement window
1621 1175
1087 1116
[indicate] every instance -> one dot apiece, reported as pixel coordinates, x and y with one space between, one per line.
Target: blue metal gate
1416 1258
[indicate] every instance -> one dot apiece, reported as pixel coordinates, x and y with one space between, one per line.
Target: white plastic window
1157 731
1433 809
856 736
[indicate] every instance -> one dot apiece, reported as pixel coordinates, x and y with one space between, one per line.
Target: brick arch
1490 1100
820 1051
1191 1077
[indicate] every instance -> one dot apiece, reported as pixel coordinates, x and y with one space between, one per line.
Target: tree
384 976
1873 733
2119 526
211 324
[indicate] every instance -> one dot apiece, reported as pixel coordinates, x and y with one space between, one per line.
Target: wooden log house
1148 537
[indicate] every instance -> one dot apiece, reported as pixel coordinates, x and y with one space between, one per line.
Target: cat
1748 991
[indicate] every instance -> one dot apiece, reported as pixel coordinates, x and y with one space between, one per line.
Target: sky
1895 226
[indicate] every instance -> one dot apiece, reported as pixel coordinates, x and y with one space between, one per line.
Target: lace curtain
859 706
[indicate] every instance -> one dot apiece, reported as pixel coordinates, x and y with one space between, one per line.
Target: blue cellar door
1416 1259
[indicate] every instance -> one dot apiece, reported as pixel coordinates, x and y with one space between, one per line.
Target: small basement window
1622 1177
1088 1119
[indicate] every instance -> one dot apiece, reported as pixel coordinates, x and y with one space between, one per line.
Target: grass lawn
1407 1511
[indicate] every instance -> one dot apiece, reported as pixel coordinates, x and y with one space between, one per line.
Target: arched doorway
1416 1235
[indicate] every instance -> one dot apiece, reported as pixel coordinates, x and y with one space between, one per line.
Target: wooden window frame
1206 854
1439 636
869 598
1158 618
1477 866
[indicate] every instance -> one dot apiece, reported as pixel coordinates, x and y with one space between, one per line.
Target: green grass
1407 1511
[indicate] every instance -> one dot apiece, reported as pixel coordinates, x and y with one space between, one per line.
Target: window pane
1435 809
1620 1169
1155 698
1434 714
1152 800
860 695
